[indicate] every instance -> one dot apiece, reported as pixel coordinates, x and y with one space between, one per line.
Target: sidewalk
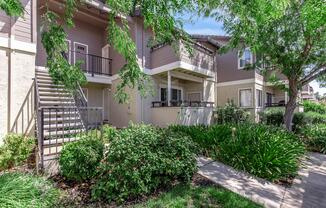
308 189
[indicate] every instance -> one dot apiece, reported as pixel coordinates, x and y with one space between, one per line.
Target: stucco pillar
169 88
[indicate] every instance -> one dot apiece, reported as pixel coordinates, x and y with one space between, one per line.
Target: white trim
82 44
237 82
252 96
98 79
69 50
179 64
251 58
17 45
184 76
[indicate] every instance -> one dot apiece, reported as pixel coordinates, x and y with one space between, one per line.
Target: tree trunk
291 105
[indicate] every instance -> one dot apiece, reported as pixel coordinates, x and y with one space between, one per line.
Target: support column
169 89
286 97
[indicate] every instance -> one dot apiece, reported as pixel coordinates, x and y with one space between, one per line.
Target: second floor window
245 58
259 98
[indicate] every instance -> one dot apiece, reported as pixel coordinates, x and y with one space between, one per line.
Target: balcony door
176 95
80 55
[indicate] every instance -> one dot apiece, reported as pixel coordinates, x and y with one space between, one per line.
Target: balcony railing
92 64
177 103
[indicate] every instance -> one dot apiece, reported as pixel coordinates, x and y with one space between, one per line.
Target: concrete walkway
308 189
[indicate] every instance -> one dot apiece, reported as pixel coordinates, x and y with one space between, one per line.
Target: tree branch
312 76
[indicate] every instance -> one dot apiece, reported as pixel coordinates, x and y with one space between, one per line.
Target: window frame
239 97
241 58
259 97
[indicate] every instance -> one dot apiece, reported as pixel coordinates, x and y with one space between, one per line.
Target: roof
212 39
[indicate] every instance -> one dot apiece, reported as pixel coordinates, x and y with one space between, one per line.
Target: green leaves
12 7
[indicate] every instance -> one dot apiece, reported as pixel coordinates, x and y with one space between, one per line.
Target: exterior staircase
59 117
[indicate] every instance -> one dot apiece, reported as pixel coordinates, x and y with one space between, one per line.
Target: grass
26 191
198 196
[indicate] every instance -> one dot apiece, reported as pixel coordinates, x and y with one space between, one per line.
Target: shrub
25 190
314 107
265 151
108 133
15 150
261 150
141 159
79 160
314 136
272 116
231 113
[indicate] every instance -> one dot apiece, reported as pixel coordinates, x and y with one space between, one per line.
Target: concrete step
54 94
61 126
59 141
61 133
50 85
57 98
57 104
51 89
66 120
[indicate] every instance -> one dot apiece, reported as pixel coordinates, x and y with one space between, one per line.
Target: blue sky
208 26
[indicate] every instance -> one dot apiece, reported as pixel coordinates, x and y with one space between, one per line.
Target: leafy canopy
289 36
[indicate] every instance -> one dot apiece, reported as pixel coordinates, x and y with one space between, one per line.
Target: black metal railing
279 104
93 64
59 125
178 103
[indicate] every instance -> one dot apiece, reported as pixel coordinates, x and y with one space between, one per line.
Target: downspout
10 67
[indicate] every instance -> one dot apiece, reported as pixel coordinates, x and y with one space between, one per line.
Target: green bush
231 113
108 133
265 151
314 136
141 159
26 191
272 116
261 150
314 107
15 150
79 160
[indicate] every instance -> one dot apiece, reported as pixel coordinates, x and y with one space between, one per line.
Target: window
245 98
259 98
245 58
269 99
175 94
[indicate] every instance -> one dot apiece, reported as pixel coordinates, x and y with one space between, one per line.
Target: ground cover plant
141 159
26 191
265 151
79 160
15 150
198 195
314 107
314 136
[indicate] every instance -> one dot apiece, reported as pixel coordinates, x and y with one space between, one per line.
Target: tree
157 15
288 35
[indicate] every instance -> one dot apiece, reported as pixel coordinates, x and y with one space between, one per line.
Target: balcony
199 62
176 103
91 64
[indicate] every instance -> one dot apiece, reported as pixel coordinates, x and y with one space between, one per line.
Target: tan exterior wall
17 64
166 116
122 114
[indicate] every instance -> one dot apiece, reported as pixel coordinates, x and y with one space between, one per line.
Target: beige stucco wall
231 92
16 79
165 116
122 114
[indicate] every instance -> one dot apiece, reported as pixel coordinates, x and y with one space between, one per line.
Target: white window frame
239 101
242 56
259 105
172 87
69 51
86 53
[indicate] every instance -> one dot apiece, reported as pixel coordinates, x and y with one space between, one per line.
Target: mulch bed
79 194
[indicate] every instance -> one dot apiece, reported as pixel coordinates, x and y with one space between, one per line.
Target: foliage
108 133
79 160
15 150
314 136
12 7
231 113
314 107
265 151
26 191
274 116
141 159
200 196
294 31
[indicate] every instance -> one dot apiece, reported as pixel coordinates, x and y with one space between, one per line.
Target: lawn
26 190
198 196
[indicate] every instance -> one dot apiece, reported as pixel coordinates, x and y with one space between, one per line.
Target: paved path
307 191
